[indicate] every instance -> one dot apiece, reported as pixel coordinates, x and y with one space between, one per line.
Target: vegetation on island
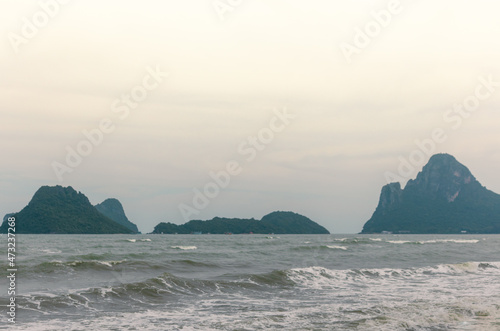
276 222
62 210
113 209
444 198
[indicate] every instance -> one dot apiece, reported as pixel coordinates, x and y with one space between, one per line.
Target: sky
232 108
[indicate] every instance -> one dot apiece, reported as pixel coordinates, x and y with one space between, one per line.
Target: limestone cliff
444 198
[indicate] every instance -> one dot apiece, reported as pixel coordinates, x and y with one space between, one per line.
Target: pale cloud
225 77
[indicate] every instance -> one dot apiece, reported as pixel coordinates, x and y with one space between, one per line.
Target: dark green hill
444 198
292 223
62 210
277 222
113 209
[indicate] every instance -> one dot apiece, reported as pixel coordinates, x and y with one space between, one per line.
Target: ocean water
255 282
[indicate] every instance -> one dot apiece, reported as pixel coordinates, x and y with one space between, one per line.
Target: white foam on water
105 290
321 278
399 242
343 239
450 295
406 311
51 251
456 241
184 248
461 296
75 263
44 294
337 247
109 263
460 241
105 263
436 241
138 240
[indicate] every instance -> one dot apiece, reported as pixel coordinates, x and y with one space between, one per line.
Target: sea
254 282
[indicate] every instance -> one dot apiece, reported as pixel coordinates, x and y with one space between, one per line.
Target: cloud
225 77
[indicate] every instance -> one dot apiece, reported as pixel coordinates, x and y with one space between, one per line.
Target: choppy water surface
256 282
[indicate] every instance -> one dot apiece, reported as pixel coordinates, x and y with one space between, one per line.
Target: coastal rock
113 209
6 217
277 222
62 210
444 198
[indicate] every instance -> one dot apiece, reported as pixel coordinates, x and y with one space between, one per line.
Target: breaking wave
184 248
274 294
158 289
437 241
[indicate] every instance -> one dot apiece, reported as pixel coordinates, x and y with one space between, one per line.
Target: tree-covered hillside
277 222
444 198
62 210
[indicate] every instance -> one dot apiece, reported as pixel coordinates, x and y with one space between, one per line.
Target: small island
113 209
445 198
278 222
62 210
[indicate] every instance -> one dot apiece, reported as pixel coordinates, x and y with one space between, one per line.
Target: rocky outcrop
277 222
113 209
390 196
62 210
444 198
443 177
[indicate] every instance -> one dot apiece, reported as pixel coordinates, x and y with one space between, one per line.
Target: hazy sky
358 82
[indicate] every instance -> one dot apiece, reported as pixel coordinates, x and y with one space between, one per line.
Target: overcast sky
357 82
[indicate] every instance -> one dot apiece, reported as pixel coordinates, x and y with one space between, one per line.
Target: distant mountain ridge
277 222
444 198
62 210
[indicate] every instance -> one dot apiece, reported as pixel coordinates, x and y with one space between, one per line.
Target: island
113 209
279 222
445 198
62 210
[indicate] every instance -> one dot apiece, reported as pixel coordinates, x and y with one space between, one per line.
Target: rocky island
444 198
62 210
277 222
113 209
